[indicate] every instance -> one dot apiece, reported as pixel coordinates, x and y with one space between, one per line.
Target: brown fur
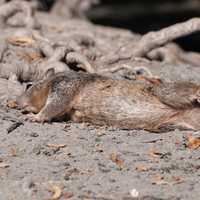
141 104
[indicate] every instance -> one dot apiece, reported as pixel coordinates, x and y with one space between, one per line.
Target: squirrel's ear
49 73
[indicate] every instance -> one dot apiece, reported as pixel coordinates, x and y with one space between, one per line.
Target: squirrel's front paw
34 118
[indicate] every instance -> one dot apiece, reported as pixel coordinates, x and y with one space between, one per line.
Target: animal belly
127 112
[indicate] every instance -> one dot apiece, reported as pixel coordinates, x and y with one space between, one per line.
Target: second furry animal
124 104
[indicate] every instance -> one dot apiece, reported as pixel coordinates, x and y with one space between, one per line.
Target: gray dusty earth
87 162
66 160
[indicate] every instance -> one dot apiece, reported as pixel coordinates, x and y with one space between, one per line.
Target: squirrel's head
34 98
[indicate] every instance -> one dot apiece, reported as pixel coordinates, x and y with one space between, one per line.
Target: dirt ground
88 162
79 161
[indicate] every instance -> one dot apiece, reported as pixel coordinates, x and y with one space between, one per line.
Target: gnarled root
156 39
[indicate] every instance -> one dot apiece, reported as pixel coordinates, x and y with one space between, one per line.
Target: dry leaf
116 159
88 172
154 153
177 179
193 143
99 148
70 172
67 195
159 180
57 192
100 133
4 165
21 41
142 168
56 146
13 152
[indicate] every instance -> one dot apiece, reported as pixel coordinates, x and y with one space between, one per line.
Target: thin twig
14 126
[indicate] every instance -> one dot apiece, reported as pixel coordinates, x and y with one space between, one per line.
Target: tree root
156 39
10 9
74 57
172 53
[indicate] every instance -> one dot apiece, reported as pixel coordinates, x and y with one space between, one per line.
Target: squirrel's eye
28 86
139 72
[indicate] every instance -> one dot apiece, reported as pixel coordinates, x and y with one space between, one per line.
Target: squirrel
142 104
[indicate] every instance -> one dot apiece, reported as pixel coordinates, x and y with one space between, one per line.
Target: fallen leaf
100 133
142 168
56 146
57 192
99 148
21 41
4 165
117 160
154 153
88 172
159 180
193 143
67 195
70 172
177 179
13 152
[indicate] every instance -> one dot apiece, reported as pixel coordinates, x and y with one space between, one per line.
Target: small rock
34 134
134 193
